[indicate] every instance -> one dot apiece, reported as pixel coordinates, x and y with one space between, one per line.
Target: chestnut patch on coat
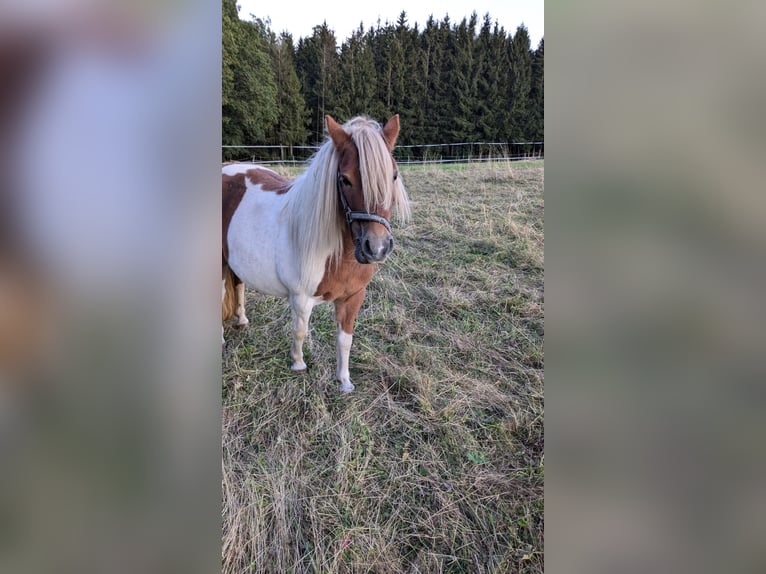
347 278
233 189
268 180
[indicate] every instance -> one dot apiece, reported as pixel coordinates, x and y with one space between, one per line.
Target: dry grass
435 462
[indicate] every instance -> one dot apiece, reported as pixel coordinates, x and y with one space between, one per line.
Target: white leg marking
300 306
240 311
343 345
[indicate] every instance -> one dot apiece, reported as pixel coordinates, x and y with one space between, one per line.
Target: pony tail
229 299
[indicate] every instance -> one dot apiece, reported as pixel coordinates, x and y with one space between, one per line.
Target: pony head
368 183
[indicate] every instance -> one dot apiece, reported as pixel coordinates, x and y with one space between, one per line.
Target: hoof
346 387
242 323
298 367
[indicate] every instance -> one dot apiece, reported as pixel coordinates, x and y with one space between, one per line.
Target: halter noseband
358 215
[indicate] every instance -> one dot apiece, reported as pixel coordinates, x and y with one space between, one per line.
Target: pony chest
345 280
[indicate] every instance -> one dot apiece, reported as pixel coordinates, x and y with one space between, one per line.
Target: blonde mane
312 209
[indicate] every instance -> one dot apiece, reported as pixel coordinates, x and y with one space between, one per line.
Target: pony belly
257 269
255 242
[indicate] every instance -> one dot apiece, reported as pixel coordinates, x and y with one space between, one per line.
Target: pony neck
312 209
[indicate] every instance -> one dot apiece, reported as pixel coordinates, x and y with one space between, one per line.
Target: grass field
435 462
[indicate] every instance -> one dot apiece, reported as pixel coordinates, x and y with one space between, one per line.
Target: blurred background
109 342
110 349
655 276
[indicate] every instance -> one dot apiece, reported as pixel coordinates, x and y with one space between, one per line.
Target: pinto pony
318 238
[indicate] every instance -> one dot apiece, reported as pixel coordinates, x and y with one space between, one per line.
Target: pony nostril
390 244
367 247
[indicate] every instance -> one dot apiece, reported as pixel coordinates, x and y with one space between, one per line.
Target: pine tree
408 103
398 62
520 58
536 111
228 51
443 99
492 70
357 77
316 60
412 111
432 48
249 109
389 66
447 82
463 86
290 128
231 131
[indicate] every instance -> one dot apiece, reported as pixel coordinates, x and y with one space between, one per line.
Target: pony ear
337 134
391 131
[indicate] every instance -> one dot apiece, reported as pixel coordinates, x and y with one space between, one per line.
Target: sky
299 18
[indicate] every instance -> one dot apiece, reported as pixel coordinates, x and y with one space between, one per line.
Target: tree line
466 81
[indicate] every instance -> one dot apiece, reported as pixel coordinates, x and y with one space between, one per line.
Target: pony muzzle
373 247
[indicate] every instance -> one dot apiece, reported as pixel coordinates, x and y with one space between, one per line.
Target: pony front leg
343 346
301 306
346 311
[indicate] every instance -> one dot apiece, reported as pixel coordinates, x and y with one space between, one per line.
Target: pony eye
345 181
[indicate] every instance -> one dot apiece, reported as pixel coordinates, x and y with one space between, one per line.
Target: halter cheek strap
359 215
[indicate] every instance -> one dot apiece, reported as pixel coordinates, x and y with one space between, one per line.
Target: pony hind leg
300 306
346 311
232 299
239 312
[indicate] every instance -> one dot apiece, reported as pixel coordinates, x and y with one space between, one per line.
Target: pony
318 238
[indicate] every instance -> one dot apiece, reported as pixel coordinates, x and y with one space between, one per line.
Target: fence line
315 147
406 154
411 161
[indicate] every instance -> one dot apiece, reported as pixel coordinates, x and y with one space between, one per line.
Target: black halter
358 215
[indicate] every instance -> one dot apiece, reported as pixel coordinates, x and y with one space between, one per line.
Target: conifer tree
520 65
449 82
408 102
249 108
389 66
443 93
317 65
432 47
356 77
536 113
463 81
290 128
491 77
